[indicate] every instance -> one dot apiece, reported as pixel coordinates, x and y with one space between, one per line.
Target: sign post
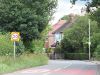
14 50
15 36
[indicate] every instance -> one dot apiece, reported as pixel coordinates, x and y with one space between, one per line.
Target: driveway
62 67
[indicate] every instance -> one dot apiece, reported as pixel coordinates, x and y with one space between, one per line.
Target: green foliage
58 49
96 16
76 37
30 17
73 1
66 46
98 49
38 46
6 45
8 64
97 52
19 48
76 56
96 3
95 40
44 33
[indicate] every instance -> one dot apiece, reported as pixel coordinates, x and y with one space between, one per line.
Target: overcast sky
64 8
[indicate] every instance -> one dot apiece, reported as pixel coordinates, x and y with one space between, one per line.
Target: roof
57 26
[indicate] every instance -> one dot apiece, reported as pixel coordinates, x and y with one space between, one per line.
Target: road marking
45 70
47 73
36 71
52 71
67 66
58 69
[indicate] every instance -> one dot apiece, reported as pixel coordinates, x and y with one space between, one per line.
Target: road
62 67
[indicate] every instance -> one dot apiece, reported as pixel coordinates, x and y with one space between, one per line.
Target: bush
58 49
97 53
76 37
76 56
6 45
19 47
38 45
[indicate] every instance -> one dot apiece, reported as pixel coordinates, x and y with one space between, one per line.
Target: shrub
6 45
38 45
58 49
76 37
76 56
97 53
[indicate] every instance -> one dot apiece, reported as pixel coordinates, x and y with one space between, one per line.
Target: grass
8 64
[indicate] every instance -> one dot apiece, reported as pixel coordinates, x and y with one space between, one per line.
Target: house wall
51 40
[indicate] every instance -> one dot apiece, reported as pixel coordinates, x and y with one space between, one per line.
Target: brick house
56 33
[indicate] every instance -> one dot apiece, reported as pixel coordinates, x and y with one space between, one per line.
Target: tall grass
8 64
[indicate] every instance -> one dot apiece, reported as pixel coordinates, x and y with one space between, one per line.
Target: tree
44 33
73 1
29 17
76 37
96 14
95 3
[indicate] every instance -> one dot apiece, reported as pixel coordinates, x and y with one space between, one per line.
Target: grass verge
8 64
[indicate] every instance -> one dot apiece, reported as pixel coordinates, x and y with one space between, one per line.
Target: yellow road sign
15 36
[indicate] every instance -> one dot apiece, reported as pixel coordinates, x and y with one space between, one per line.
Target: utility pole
89 40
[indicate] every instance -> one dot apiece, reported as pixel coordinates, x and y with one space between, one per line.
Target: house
55 35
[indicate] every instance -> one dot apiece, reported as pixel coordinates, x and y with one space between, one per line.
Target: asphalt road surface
62 67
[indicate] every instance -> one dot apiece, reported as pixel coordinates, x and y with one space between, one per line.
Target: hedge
76 56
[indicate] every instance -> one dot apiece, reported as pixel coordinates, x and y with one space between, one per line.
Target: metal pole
89 41
14 50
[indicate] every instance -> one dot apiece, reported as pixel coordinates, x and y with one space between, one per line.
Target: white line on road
47 73
45 70
67 66
54 70
58 69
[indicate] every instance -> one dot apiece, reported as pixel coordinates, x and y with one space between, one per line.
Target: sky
64 8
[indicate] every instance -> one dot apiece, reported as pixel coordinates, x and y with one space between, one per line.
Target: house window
58 37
